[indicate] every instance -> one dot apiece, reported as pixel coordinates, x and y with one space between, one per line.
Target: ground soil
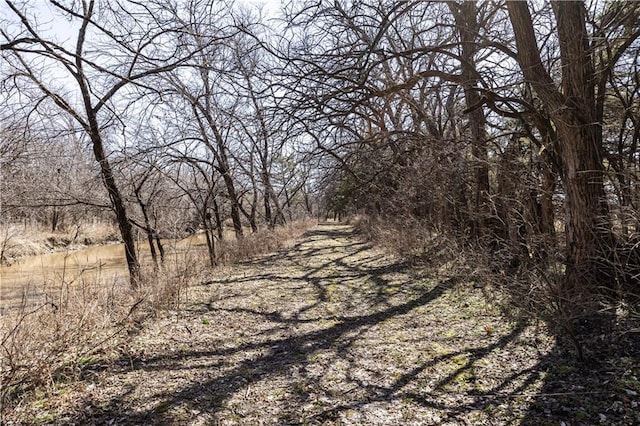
335 331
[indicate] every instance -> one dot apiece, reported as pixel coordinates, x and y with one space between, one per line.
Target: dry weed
526 280
54 337
408 238
262 242
53 340
49 341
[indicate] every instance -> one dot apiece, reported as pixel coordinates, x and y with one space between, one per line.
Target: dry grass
331 331
410 239
525 280
264 241
50 343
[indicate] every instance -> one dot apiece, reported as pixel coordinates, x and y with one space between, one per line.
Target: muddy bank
42 275
17 242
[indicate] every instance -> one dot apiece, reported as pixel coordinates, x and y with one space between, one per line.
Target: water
43 275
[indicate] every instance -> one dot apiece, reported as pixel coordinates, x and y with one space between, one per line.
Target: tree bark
267 209
572 109
210 237
216 213
147 225
118 205
235 208
223 166
93 129
465 15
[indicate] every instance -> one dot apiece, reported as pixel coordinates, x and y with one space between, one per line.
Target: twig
121 327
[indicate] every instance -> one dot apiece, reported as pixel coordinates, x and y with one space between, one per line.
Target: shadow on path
338 331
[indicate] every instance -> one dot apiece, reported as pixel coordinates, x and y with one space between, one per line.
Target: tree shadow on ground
603 389
310 357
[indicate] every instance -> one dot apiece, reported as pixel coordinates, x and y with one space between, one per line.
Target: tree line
167 105
509 126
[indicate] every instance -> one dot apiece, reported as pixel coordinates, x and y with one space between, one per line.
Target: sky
66 31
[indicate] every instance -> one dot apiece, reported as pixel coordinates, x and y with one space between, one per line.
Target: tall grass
54 341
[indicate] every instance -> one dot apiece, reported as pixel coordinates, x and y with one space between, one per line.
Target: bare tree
468 27
113 50
259 123
575 106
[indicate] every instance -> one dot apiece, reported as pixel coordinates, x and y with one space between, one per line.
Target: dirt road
330 331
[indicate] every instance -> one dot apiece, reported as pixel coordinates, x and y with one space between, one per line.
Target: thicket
507 132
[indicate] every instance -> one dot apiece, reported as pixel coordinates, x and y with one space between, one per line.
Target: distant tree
48 176
203 94
199 183
259 123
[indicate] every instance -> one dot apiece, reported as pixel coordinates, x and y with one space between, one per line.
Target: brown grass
330 331
264 241
410 239
51 343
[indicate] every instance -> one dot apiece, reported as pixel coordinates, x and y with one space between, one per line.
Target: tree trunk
148 229
220 153
208 233
572 110
225 170
254 197
118 206
466 17
160 247
307 202
267 210
233 198
252 214
55 217
216 213
270 193
288 204
546 222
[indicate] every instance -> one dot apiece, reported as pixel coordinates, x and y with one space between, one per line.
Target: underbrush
59 334
526 281
411 240
55 336
264 241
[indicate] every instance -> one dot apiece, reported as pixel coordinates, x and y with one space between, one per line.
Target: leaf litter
335 331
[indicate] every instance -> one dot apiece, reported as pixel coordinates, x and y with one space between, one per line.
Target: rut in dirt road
329 331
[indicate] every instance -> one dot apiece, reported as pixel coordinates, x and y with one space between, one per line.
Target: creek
42 276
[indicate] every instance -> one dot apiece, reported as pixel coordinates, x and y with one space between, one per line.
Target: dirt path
331 331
